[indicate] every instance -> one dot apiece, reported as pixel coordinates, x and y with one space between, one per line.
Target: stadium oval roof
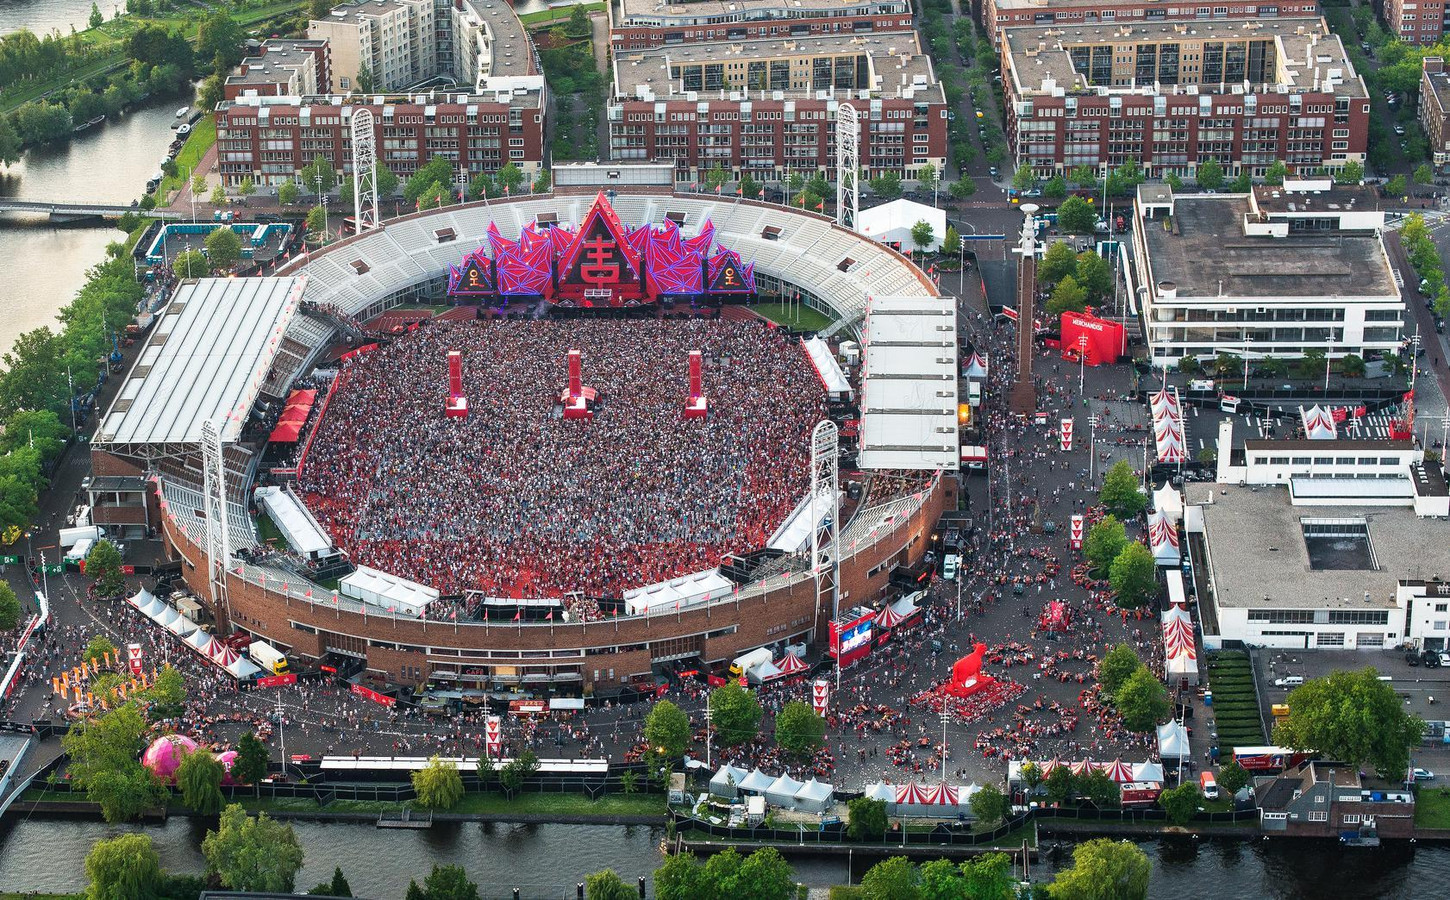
206 358
836 265
909 386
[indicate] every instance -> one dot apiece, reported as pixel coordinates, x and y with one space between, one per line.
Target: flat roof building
1435 108
1172 95
379 45
644 24
1276 272
284 67
998 15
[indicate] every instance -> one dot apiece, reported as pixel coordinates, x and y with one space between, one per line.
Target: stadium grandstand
533 637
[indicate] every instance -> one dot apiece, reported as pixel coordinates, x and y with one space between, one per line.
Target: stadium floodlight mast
825 513
848 165
214 503
364 171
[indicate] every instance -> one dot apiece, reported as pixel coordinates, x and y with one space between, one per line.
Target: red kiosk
456 406
577 399
1099 341
696 406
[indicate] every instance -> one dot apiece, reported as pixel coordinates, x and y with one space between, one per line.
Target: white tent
1168 501
975 367
242 668
149 606
891 223
200 641
167 616
756 782
182 626
726 781
1148 771
764 672
1173 741
827 368
677 593
881 791
814 797
782 791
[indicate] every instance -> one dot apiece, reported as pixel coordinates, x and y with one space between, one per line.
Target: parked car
1444 659
1423 774
1412 659
1399 129
1289 681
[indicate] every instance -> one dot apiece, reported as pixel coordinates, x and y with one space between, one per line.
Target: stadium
445 492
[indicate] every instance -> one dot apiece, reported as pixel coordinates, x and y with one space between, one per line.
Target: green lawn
561 13
1432 808
1235 703
489 803
203 135
28 895
794 315
267 530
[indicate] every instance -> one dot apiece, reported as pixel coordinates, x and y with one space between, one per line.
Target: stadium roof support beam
848 166
214 499
825 518
364 171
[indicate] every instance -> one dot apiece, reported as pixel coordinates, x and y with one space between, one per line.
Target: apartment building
768 107
1173 95
1435 108
1416 22
284 67
646 24
393 41
271 139
998 15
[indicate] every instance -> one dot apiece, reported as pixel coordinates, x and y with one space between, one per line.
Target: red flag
284 587
454 615
485 615
517 614
1010 312
309 593
822 205
549 617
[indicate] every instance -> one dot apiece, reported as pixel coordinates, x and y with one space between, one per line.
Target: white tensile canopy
881 791
814 796
726 781
1173 741
1318 423
757 782
783 790
1168 501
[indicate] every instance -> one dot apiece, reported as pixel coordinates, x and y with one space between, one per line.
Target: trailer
69 537
747 661
268 657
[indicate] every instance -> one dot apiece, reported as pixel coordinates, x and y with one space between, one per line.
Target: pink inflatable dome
226 758
165 753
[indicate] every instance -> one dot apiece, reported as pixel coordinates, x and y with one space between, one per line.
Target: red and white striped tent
1163 539
888 618
1318 423
1081 767
1168 426
790 664
1119 771
942 794
911 794
222 655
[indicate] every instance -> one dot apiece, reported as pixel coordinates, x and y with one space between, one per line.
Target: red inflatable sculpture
967 676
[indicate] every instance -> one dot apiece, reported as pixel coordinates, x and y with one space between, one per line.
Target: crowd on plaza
516 501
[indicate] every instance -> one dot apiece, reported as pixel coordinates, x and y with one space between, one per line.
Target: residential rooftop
703 12
898 67
1206 254
278 55
354 13
1308 58
512 51
1439 83
1335 198
1259 557
528 99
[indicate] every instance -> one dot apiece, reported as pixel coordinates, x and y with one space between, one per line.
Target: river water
545 861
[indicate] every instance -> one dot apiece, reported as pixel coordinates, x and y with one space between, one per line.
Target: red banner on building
372 695
1076 539
291 678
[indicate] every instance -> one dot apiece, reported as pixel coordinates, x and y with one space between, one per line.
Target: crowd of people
516 501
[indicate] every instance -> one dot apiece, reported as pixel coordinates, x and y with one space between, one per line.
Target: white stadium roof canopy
206 358
909 389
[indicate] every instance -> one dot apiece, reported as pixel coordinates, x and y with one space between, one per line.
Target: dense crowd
516 501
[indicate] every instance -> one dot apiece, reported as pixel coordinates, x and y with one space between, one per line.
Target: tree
1424 174
1094 276
1395 187
736 714
866 819
200 778
667 730
511 177
989 805
246 187
104 761
97 648
922 235
990 876
1085 177
1210 175
191 264
941 880
1068 296
1233 777
1275 173
252 854
926 177
887 185
438 784
318 9
1099 790
516 770
606 885
220 37
123 868
337 887
1055 188
951 241
1123 179
1142 701
35 429
447 883
1120 494
1104 542
317 221
1104 869
1115 667
218 196
319 176
250 766
438 194
9 607
96 20
894 878
1058 262
1174 182
103 563
1134 576
223 248
287 193
1076 215
799 730
1350 173
766 875
1024 179
963 188
365 81
1352 365
1061 784
1180 803
679 878
1353 717
1312 363
716 177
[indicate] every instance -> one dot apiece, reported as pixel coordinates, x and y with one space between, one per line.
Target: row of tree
438 785
1128 566
1075 280
1425 257
735 717
1133 689
1313 364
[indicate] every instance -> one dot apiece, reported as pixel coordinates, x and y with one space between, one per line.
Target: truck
1269 759
80 549
268 657
69 537
1141 793
747 661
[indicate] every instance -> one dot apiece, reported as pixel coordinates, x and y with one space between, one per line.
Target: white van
1289 681
949 567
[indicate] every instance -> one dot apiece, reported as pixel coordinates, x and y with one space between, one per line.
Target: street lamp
709 732
317 177
946 716
1092 449
1082 343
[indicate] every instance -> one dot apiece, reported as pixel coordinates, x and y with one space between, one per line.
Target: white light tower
214 502
364 172
848 165
825 513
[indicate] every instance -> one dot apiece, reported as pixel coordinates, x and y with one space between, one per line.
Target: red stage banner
133 658
493 734
1064 436
820 695
1100 341
1076 539
289 678
372 695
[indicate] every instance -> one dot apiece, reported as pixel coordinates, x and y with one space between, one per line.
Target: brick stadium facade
601 656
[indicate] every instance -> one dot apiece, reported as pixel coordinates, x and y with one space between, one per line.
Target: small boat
181 113
84 125
183 131
1366 836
